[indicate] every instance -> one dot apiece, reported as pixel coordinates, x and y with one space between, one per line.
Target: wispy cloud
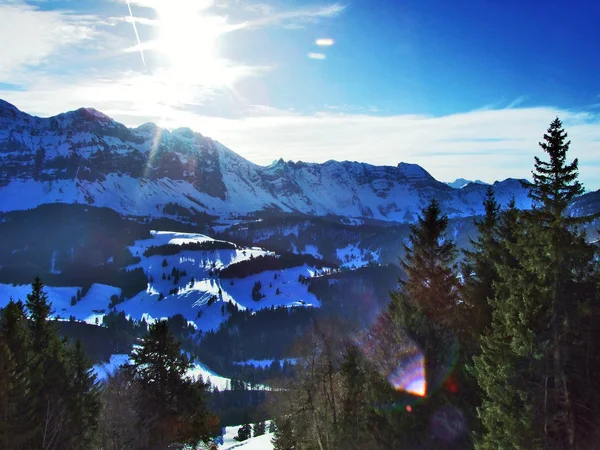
30 36
517 102
313 55
295 18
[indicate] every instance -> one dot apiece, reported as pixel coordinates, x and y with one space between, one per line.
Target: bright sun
187 39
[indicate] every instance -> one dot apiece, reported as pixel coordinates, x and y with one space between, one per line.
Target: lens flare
395 356
402 362
409 375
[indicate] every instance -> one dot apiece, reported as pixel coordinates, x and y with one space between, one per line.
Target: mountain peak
413 171
9 110
89 114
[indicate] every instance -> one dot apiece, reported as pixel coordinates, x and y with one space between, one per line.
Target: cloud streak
292 19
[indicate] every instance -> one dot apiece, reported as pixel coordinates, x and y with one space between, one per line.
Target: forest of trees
173 249
259 264
501 342
50 398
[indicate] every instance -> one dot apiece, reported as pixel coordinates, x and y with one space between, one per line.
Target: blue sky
465 88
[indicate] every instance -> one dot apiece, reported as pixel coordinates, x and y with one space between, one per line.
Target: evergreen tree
172 406
49 368
84 399
244 433
283 436
505 411
260 428
479 272
425 307
424 314
431 281
16 413
564 260
535 361
52 396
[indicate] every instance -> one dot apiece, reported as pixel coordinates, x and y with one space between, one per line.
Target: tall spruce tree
425 306
479 272
429 264
425 313
565 261
533 362
49 369
173 407
16 413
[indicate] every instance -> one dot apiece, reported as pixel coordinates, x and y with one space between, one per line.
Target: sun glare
188 41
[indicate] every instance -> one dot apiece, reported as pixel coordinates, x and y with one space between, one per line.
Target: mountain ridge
84 156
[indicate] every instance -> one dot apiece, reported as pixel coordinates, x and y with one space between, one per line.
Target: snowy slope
85 157
91 308
200 295
353 256
103 371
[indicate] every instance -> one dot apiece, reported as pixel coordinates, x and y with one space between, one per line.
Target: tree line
497 351
285 260
174 249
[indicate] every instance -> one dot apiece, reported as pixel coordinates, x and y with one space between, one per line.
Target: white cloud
324 42
313 55
31 36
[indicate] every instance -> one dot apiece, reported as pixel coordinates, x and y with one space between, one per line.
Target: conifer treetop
555 181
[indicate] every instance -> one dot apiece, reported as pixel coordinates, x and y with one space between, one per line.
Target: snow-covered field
201 295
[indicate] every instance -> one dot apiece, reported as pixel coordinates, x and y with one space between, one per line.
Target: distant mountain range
460 183
85 157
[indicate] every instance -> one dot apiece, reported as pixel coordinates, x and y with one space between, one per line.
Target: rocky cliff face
84 156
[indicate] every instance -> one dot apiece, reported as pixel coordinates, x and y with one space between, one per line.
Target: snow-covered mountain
460 183
85 157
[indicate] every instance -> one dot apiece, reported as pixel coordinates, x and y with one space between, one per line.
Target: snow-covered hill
186 283
83 156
